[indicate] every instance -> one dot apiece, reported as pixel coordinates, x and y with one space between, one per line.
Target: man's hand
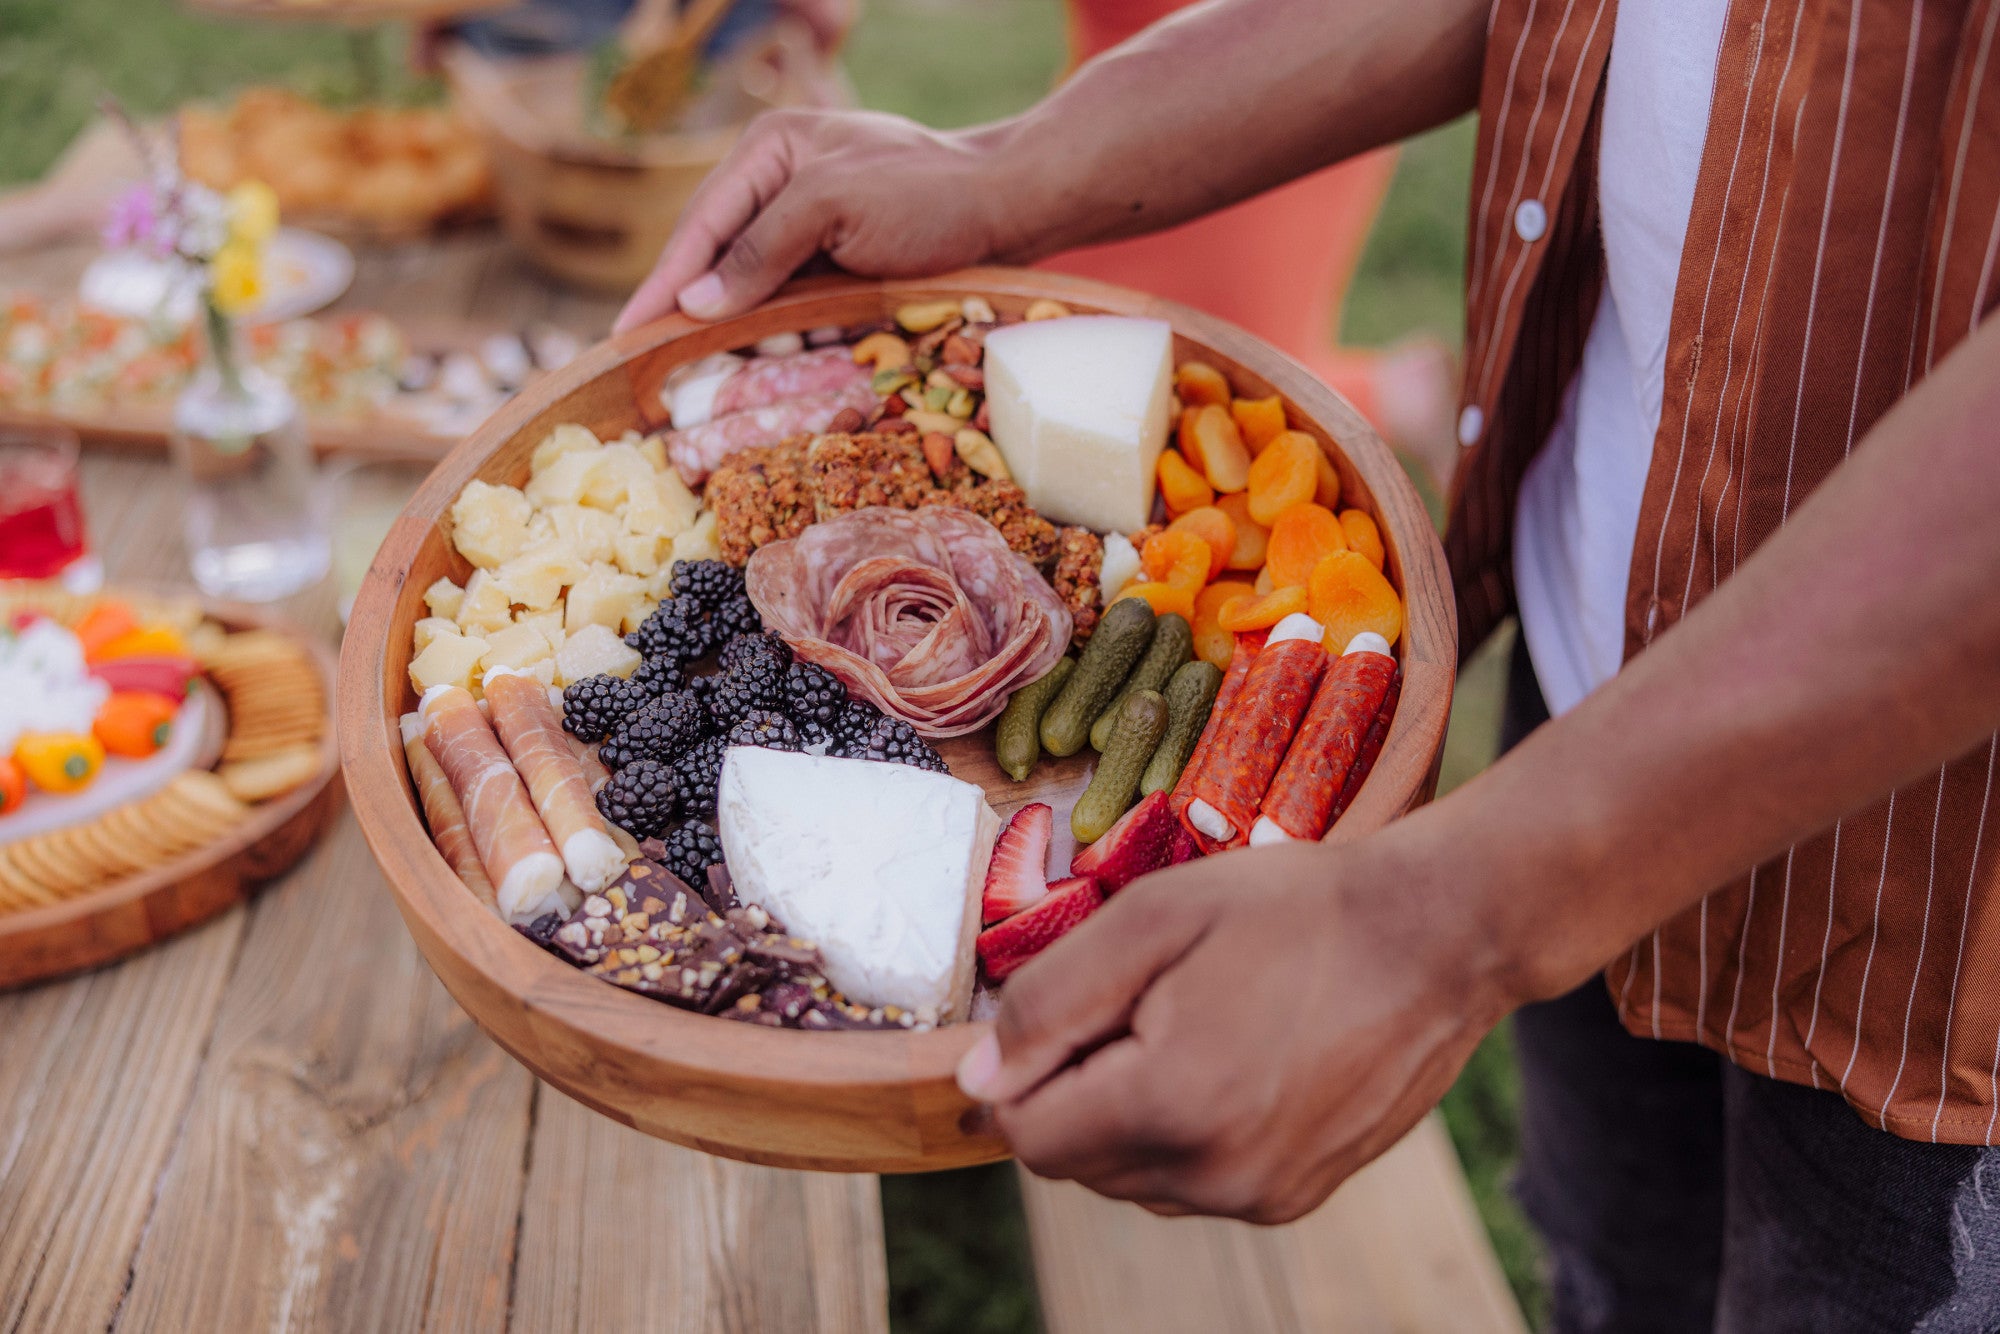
1236 1037
879 195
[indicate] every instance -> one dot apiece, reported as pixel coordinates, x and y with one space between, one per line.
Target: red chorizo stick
1299 804
1255 733
1205 756
532 731
522 863
1371 748
443 813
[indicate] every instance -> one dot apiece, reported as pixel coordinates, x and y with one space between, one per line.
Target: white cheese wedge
1080 408
881 865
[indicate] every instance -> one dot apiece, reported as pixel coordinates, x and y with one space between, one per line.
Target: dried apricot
1212 643
1363 536
1259 613
1261 420
1251 537
1199 383
1223 456
1181 486
1283 475
1264 584
1348 595
1303 536
1329 482
1187 440
1214 527
1163 598
1176 557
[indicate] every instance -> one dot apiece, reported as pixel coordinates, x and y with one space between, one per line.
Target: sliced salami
696 451
763 381
925 613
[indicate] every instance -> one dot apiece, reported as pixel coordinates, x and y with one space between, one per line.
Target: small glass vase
252 517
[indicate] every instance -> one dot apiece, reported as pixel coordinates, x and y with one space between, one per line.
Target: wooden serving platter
844 1101
128 915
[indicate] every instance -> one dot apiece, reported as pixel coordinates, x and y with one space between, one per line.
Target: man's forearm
1858 649
1222 101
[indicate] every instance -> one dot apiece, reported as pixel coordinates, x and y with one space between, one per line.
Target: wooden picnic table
281 1121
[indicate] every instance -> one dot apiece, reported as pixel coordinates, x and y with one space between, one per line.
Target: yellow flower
238 274
253 213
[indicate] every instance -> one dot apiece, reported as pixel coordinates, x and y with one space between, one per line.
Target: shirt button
1531 220
1471 425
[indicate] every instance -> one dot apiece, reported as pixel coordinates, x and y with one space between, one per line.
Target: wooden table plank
1398 1248
354 1154
623 1232
94 1075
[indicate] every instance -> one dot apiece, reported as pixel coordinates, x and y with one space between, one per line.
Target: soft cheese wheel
880 865
1079 408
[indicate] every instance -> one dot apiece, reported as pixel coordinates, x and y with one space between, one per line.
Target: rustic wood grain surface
279 1120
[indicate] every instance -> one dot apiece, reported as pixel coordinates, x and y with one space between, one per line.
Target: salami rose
924 613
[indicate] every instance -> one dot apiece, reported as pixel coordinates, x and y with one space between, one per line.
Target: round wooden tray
128 915
878 1102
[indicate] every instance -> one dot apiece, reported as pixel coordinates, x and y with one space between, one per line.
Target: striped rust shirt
1845 235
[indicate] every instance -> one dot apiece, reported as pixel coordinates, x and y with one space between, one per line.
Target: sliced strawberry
1141 841
1184 848
1018 874
1005 947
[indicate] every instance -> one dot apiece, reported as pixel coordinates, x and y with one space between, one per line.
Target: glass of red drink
41 516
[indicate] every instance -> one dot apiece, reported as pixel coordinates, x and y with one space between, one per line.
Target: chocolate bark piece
721 889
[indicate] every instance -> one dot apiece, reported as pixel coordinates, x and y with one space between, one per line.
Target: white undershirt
1579 503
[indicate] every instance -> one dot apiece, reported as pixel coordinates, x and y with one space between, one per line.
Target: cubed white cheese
880 865
1080 408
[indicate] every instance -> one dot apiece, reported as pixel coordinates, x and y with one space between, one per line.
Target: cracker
61 874
271 775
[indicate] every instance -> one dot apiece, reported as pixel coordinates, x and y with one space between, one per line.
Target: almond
939 453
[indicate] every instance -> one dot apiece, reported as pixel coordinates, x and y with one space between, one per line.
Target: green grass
957 1243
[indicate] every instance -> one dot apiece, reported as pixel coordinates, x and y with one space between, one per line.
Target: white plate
303 271
193 741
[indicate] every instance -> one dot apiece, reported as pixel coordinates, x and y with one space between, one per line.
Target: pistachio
940 378
936 396
884 351
1046 308
891 380
976 310
932 421
923 316
981 454
960 403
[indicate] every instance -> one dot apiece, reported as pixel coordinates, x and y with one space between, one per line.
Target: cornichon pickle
1136 734
1120 640
1173 644
1017 739
1190 695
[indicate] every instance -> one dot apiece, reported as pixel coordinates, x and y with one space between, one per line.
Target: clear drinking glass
366 496
254 524
42 533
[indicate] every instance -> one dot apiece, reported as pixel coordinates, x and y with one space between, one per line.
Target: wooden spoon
649 89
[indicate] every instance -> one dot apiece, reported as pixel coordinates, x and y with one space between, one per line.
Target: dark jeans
1678 1193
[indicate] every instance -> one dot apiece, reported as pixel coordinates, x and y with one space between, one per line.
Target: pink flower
134 221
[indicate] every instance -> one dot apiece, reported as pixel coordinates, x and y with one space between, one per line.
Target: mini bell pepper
13 785
159 675
147 641
59 761
103 623
134 723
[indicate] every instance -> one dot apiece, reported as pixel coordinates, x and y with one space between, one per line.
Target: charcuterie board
98 883
876 1101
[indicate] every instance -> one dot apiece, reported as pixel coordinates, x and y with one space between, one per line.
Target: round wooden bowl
879 1102
128 915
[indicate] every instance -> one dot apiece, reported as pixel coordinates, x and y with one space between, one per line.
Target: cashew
923 316
884 350
1047 309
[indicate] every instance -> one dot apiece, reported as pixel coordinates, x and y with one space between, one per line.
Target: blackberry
767 728
640 798
851 727
754 645
664 728
736 616
757 681
691 850
813 694
894 741
658 675
696 775
596 704
709 583
815 736
677 629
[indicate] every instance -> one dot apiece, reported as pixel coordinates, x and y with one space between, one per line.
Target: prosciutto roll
1301 799
696 450
924 613
442 812
532 731
526 870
